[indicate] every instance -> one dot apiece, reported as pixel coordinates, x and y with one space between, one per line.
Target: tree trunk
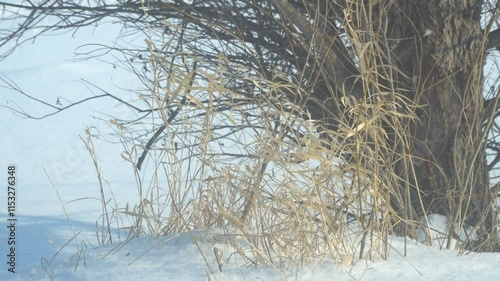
437 49
440 50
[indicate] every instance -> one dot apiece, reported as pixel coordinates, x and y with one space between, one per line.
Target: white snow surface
56 239
179 257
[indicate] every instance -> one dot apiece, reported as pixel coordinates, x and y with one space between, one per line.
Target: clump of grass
270 178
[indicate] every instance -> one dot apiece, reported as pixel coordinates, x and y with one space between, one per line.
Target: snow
434 231
179 258
58 210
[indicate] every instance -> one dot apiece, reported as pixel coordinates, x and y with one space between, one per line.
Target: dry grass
291 195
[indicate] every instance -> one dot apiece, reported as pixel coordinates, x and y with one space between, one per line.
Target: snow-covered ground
57 209
44 229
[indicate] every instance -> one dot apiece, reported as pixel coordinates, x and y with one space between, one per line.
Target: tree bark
440 51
